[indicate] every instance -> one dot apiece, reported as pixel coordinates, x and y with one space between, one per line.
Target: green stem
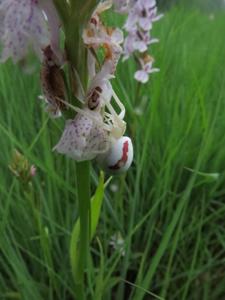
76 56
79 263
63 10
84 196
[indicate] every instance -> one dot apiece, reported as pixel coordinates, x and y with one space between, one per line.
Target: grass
169 208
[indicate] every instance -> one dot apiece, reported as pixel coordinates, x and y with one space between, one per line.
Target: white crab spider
110 121
90 135
95 132
113 122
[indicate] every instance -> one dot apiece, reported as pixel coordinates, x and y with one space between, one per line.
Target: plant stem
80 237
76 54
77 58
83 192
62 8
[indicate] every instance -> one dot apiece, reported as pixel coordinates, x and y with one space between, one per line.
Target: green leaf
96 204
210 176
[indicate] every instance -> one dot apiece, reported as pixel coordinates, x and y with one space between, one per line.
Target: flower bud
21 167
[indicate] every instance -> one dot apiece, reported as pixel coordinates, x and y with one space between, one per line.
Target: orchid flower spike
141 16
98 127
23 24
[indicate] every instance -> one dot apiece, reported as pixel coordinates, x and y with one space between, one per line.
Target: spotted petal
82 139
23 25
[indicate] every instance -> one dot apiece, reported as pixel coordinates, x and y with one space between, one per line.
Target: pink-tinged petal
99 91
117 36
82 139
142 14
147 67
153 41
54 24
4 4
157 18
132 20
129 46
121 6
24 25
141 76
141 46
102 77
145 24
154 70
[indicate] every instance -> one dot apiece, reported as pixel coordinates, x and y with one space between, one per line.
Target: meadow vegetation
161 233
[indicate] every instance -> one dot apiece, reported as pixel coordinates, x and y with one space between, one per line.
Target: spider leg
117 117
120 104
121 115
118 126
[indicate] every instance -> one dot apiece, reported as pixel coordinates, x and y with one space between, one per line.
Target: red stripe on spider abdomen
121 162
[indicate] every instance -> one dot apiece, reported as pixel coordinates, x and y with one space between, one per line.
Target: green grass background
169 208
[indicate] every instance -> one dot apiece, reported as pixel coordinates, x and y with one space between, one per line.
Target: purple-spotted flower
143 74
23 24
141 16
83 138
121 6
139 41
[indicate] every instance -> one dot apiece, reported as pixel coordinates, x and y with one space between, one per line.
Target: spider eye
119 157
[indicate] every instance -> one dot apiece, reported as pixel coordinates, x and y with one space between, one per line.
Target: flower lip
83 139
